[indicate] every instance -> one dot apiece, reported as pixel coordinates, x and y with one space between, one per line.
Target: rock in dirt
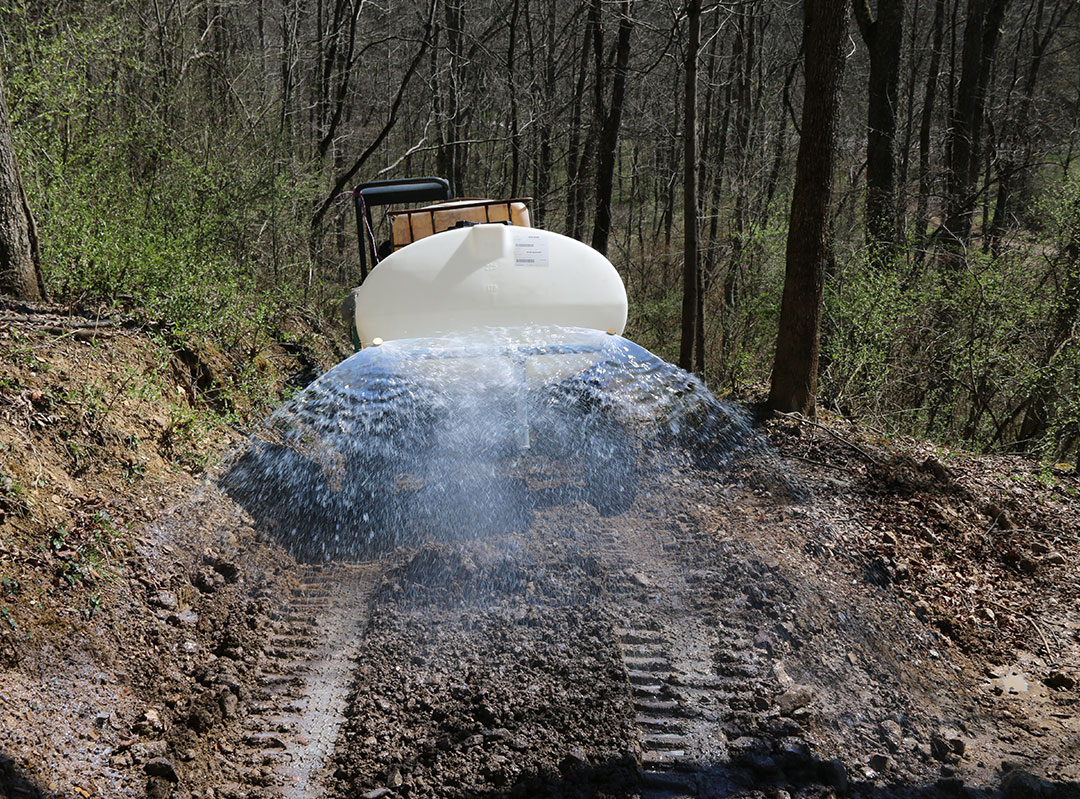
952 785
880 762
149 722
159 788
227 569
1020 784
892 735
782 676
795 697
144 751
208 580
575 759
161 767
201 719
834 774
228 702
947 749
765 767
1001 517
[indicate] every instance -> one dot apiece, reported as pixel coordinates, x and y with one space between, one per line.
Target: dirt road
909 627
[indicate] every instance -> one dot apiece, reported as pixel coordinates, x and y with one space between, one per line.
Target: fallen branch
81 333
802 419
840 467
51 322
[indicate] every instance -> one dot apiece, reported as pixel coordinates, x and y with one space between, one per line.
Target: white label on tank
530 249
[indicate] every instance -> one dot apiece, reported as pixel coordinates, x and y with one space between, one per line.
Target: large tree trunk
883 34
20 267
795 366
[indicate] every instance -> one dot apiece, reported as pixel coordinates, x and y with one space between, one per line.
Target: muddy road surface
724 637
714 641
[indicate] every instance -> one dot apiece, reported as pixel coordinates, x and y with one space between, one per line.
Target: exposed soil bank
116 585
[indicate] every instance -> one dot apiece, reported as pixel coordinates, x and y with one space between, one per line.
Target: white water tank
489 275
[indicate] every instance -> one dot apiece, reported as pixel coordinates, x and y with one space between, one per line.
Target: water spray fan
492 380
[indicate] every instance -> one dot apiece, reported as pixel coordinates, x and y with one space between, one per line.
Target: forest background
194 159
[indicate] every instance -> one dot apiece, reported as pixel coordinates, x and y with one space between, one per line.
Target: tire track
302 690
694 680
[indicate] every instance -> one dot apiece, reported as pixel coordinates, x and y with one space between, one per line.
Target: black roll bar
388 192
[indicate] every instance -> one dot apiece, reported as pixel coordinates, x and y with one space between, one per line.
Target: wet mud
661 611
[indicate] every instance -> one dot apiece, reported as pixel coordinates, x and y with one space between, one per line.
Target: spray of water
441 439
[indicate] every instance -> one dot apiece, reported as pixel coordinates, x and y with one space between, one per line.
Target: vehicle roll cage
390 192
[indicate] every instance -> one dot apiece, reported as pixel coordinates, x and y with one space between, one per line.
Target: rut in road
694 678
304 683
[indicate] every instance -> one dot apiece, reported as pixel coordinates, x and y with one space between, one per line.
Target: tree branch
346 177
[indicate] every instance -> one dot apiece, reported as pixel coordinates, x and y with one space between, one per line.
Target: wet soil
908 627
785 668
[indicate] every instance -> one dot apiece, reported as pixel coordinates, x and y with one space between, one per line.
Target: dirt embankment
105 424
913 629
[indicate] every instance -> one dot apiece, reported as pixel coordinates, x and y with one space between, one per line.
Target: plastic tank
489 275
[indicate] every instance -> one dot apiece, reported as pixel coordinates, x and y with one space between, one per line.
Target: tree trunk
20 266
963 151
515 132
691 281
926 118
743 53
883 35
576 156
609 134
546 160
795 366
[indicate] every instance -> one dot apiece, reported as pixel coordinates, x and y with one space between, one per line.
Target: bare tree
691 265
609 131
20 265
981 34
795 366
882 33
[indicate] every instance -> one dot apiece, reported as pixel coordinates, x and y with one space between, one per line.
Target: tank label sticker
530 249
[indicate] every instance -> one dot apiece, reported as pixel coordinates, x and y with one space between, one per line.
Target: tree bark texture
691 281
883 35
609 133
795 365
20 267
